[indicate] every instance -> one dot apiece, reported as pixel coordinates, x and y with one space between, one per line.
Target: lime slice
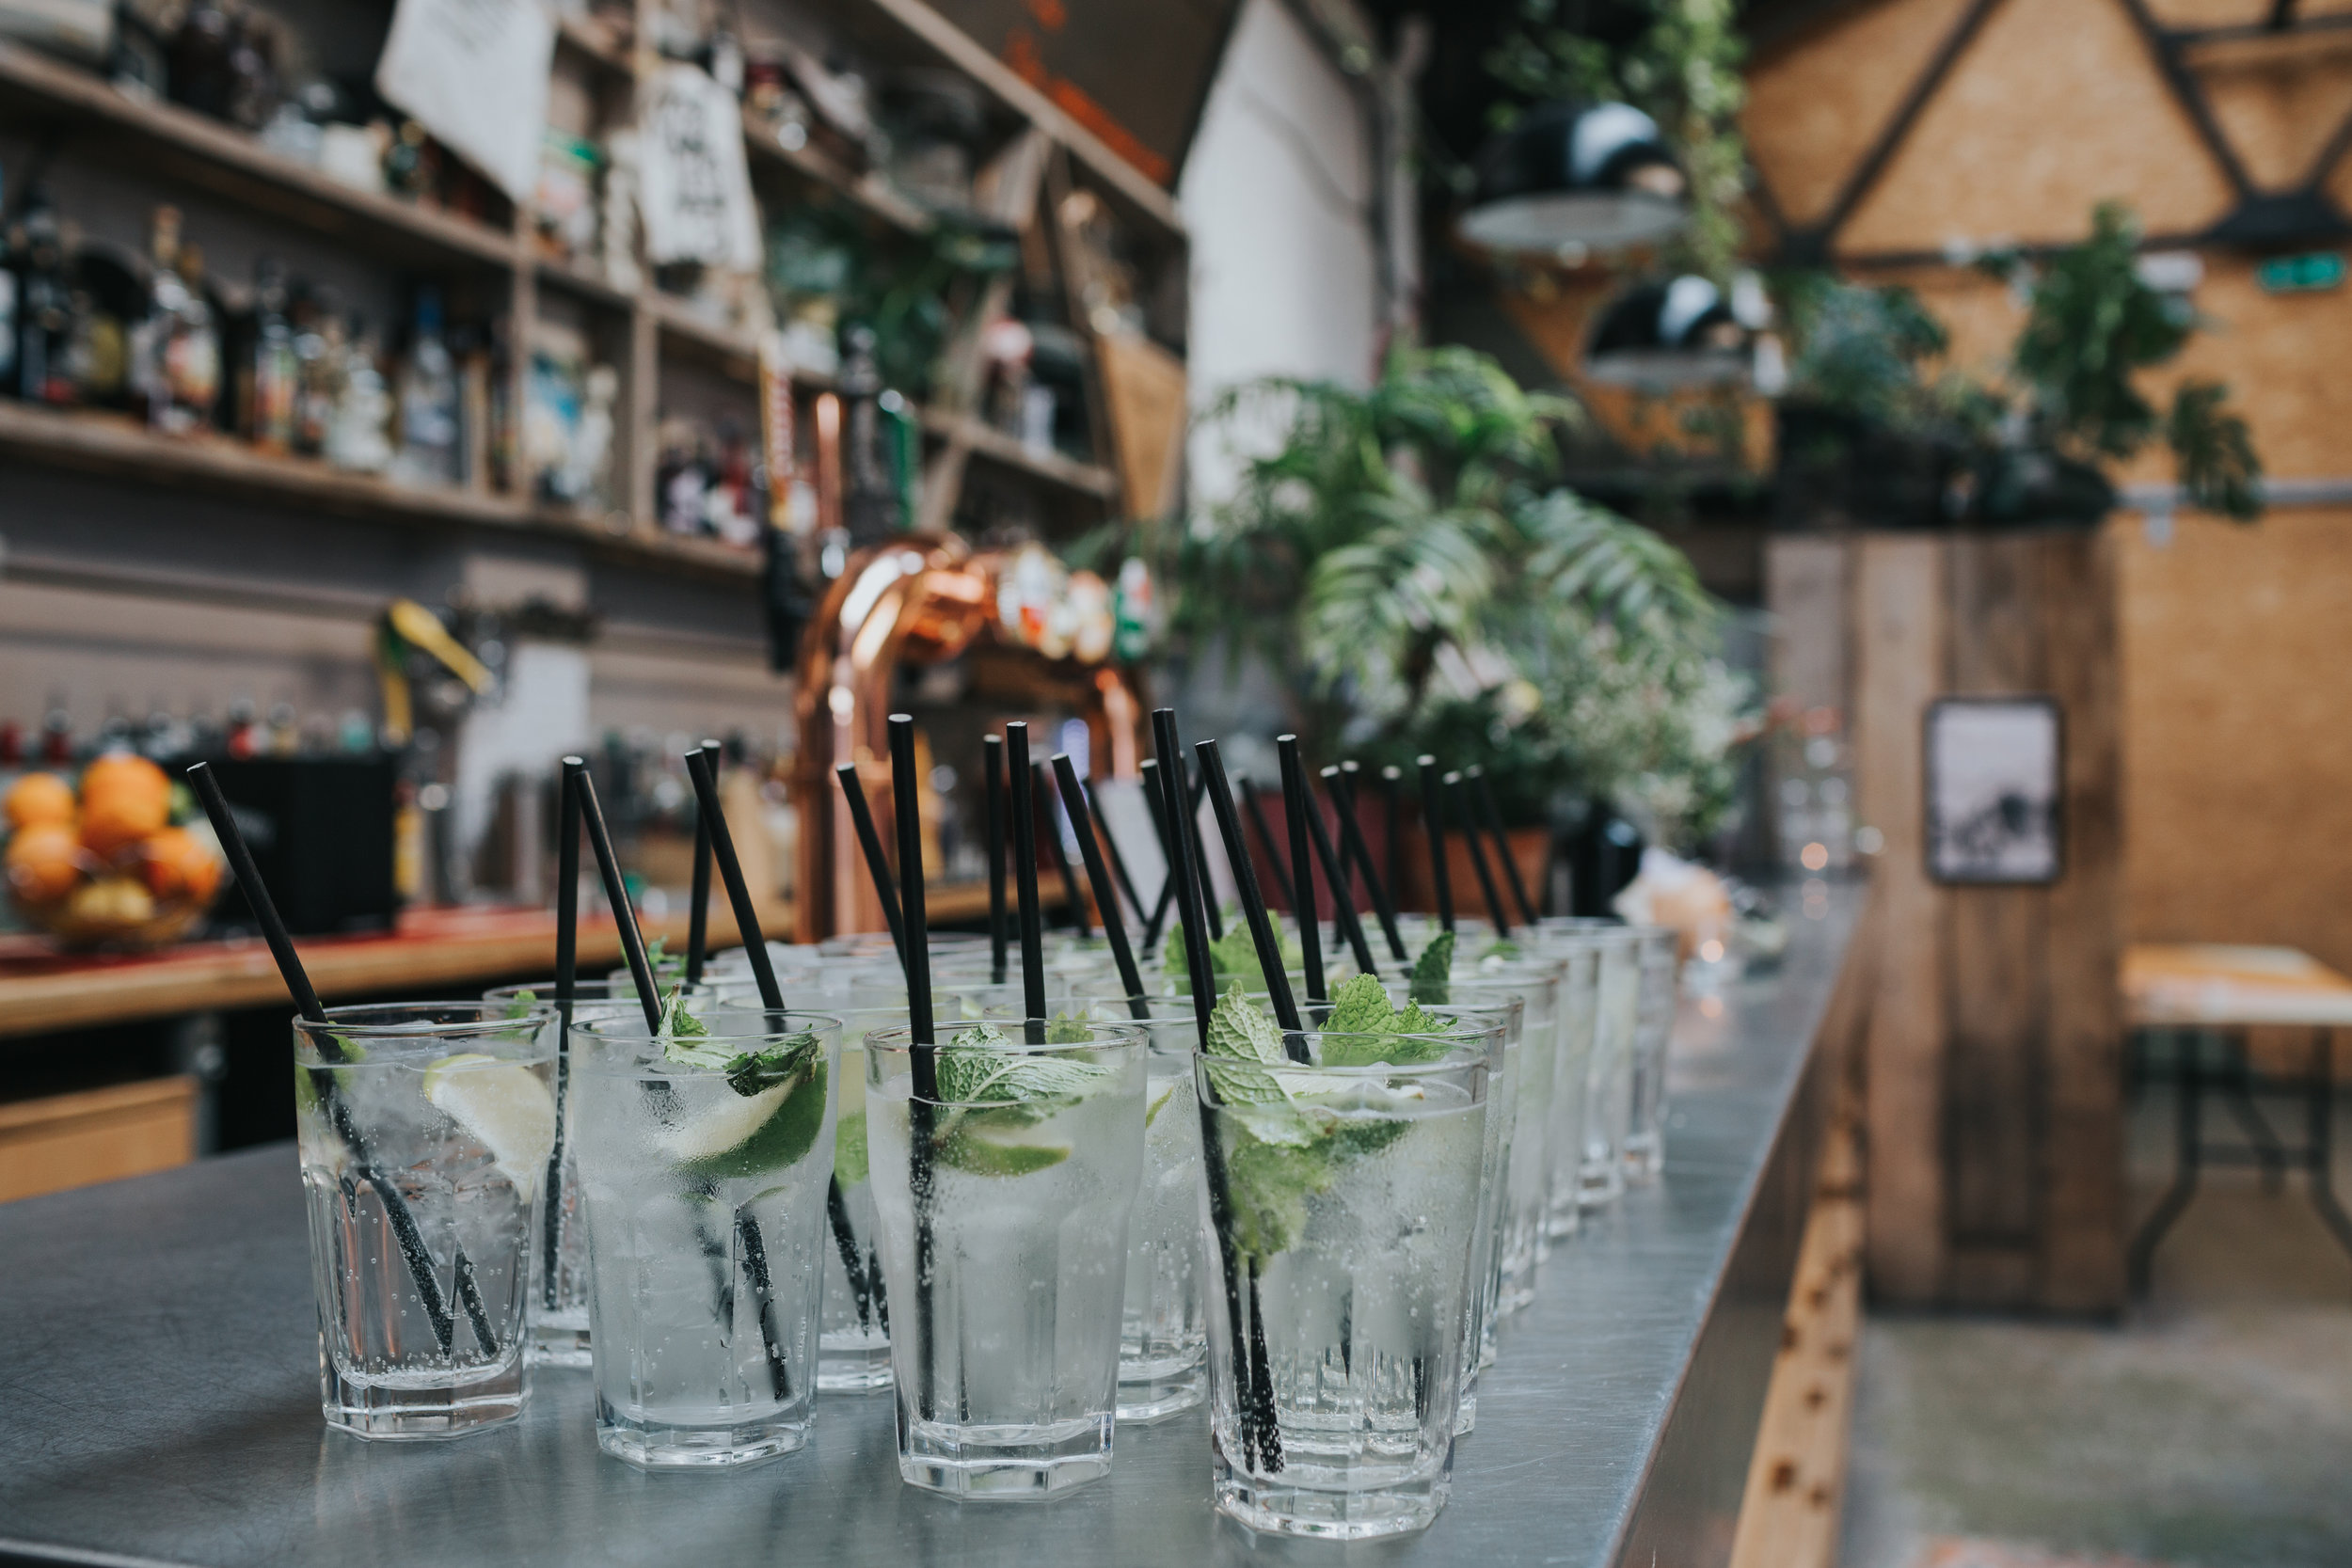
503 1105
849 1155
747 1135
986 1157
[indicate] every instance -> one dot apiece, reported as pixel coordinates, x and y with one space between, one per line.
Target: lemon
504 1106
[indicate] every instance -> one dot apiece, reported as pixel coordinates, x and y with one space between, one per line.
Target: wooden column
1992 1100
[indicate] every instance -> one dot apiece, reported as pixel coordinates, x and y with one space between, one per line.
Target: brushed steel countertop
159 1386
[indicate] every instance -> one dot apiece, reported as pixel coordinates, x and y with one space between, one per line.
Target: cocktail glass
1004 1174
1343 1203
425 1130
704 1161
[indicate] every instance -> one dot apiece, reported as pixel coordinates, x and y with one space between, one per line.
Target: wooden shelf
433 952
986 440
120 447
867 190
578 281
41 90
592 42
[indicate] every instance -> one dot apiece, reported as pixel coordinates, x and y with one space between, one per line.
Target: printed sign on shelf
697 198
474 73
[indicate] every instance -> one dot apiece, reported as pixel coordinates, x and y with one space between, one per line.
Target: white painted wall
1276 194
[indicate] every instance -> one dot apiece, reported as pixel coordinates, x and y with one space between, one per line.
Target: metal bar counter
159 1386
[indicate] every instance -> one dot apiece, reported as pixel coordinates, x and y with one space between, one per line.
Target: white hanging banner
474 73
694 190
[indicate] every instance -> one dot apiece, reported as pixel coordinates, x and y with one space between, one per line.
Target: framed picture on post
1995 776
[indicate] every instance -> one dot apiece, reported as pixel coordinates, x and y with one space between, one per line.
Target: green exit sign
2301 275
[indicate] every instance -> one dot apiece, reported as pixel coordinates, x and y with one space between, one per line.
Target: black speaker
321 832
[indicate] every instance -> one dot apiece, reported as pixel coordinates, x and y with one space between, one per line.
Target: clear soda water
1336 1335
1659 969
1609 1094
854 1339
706 1235
1006 1355
396 1188
1571 1083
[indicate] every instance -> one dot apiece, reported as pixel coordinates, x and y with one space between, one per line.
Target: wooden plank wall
1992 1099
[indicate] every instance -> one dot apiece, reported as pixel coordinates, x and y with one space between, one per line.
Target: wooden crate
73 1140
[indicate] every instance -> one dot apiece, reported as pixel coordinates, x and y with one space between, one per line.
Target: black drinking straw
1433 819
1110 844
566 994
993 768
396 1211
1486 808
1352 840
700 765
1478 857
1261 936
1255 1386
1391 823
877 864
698 913
1190 823
1334 873
923 1058
1073 800
1296 805
1284 882
1025 883
1156 799
1349 771
1061 856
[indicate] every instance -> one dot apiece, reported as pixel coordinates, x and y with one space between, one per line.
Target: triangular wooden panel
2279 106
1814 107
2055 107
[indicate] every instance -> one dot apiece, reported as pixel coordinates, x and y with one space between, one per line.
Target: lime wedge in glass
504 1106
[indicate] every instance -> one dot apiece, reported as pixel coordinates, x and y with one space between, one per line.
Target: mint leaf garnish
1237 1029
680 1029
756 1071
1360 1006
1231 957
519 1005
974 1069
1068 1029
1432 971
1501 950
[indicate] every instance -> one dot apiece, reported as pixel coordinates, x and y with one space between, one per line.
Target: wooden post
1992 1097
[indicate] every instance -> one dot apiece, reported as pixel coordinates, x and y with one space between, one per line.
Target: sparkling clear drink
1527 1112
1579 954
1345 1210
1609 1094
424 1130
1004 1193
704 1191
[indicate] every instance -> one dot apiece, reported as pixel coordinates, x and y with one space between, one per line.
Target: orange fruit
43 863
120 773
120 816
39 799
179 865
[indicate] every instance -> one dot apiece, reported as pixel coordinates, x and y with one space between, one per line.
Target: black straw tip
1424 760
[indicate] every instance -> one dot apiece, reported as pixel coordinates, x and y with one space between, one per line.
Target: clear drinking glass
425 1130
1657 959
558 1316
961 982
1344 1205
1571 1084
1163 1338
1609 1081
1499 1022
705 1195
1527 1106
1003 1176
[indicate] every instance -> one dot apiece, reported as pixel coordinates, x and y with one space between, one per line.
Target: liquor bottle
318 352
430 451
201 71
358 437
43 304
869 503
192 351
96 357
267 370
244 736
56 734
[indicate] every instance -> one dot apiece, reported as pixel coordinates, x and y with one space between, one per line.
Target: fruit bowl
106 867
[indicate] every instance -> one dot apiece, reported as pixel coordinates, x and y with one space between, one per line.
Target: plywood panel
2055 106
2237 734
1804 586
1899 610
2279 101
1812 113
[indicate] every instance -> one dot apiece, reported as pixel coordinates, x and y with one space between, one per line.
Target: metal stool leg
2319 1098
2187 1156
2237 1086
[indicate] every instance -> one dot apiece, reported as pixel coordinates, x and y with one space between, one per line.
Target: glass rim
801 1019
1466 1054
901 1041
544 990
355 1017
